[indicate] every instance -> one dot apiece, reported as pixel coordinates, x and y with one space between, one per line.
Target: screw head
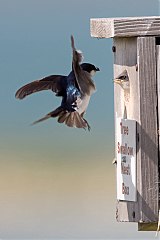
113 48
133 214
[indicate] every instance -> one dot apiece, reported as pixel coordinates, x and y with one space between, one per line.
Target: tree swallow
75 90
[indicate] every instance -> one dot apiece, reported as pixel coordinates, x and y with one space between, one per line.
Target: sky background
58 182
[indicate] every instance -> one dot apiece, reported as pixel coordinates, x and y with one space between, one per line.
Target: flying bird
75 90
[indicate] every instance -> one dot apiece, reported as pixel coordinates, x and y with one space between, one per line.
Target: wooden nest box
136 49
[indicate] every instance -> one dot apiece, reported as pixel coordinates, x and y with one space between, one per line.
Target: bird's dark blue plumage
71 94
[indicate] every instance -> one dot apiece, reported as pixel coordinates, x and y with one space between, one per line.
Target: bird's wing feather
56 83
83 78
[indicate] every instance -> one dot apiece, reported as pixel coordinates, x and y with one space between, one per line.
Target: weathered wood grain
142 107
125 27
158 92
146 52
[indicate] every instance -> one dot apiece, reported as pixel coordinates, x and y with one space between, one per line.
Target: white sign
126 159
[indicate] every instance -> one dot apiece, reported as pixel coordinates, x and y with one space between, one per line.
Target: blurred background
57 182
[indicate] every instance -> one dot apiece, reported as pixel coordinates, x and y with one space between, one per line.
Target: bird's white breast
82 106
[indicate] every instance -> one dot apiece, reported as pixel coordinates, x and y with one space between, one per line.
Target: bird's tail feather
41 119
71 119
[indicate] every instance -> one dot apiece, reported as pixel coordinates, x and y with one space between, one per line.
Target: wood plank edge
147 226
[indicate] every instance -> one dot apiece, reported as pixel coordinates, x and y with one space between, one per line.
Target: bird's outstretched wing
83 78
56 83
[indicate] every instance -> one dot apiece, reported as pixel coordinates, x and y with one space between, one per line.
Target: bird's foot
88 126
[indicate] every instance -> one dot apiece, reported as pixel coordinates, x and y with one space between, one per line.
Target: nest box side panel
139 102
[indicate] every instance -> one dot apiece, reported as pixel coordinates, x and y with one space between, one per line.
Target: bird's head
90 68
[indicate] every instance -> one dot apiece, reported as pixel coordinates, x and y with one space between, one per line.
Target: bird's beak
116 80
97 69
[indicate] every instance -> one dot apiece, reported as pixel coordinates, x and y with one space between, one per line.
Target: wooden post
136 49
